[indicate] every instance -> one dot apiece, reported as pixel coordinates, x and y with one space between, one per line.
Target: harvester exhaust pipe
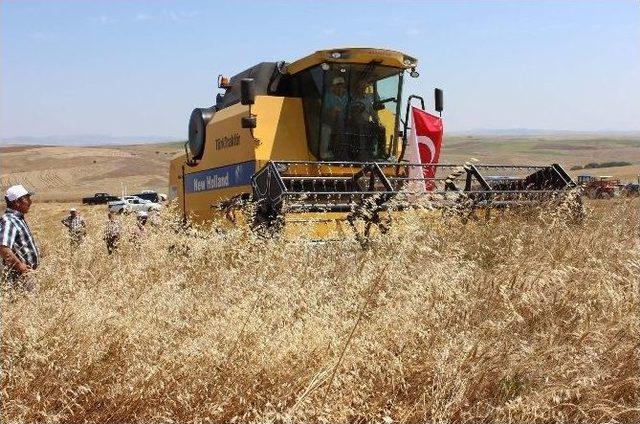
247 91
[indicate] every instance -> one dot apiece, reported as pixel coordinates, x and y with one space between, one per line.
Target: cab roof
268 76
385 57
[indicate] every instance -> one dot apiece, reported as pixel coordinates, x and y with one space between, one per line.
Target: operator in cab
333 116
363 120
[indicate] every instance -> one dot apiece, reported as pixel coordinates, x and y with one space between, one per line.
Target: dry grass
519 319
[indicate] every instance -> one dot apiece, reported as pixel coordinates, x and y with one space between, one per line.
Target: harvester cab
322 139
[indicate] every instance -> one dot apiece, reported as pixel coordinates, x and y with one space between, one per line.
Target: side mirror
247 91
249 121
438 99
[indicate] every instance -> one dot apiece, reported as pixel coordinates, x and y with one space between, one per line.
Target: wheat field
518 318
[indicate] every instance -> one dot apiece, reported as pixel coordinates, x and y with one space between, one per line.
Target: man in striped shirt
77 227
17 246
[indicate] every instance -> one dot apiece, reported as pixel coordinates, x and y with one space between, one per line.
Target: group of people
112 231
18 248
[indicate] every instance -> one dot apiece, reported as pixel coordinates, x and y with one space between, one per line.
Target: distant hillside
84 140
108 140
532 132
71 172
569 152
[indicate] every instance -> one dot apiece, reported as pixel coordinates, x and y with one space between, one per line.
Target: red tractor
602 187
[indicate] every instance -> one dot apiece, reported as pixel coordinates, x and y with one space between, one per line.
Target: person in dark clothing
112 233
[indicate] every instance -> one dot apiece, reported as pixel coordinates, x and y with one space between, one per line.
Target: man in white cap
17 246
77 227
333 115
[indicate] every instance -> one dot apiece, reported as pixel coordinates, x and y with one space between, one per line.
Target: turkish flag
425 142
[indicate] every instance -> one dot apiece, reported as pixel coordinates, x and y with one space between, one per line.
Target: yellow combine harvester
320 139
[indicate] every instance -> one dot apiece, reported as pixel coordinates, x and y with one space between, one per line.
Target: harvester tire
198 121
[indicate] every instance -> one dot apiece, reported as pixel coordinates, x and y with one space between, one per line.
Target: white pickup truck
132 204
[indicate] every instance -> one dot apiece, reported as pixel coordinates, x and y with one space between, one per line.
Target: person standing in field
18 248
140 230
77 227
112 233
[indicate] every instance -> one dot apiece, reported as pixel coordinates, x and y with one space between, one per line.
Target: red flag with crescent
425 143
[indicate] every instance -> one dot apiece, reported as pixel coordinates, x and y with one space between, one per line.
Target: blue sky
138 68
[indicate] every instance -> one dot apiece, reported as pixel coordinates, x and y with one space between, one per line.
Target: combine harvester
321 142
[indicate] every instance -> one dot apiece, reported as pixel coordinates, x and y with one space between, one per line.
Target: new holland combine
322 140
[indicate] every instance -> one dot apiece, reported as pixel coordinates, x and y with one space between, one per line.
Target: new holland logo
216 178
227 141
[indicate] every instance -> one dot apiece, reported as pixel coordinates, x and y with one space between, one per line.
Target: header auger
320 141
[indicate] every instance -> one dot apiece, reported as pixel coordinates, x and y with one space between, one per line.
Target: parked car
150 195
132 204
99 199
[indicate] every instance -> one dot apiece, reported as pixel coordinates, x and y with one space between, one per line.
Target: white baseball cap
73 210
142 214
17 191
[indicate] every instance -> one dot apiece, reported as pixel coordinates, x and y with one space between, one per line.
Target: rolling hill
67 173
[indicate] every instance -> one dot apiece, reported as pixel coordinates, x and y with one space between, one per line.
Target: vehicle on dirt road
99 199
151 195
129 204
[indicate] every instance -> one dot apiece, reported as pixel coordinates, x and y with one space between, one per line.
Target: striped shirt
75 224
15 234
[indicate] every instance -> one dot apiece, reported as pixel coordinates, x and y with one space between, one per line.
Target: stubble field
521 318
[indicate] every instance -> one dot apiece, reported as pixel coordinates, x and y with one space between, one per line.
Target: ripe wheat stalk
519 318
